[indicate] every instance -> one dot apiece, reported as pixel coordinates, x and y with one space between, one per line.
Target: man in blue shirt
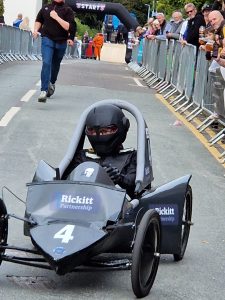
17 22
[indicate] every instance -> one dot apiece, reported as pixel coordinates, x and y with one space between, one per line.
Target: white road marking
137 81
8 116
28 95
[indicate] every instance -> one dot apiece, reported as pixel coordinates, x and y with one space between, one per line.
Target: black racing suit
125 161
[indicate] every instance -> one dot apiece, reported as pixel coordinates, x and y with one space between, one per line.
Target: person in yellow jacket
98 42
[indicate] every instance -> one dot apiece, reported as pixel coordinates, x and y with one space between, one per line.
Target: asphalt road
31 131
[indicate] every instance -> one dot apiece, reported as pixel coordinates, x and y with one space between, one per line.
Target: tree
2 11
2 7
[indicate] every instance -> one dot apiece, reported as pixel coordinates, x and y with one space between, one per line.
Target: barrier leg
175 99
150 79
206 124
165 88
221 132
153 81
141 70
182 105
164 83
170 93
197 110
158 84
217 140
144 73
147 76
222 154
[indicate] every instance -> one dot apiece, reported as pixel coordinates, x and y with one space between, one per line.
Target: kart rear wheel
186 224
3 228
146 254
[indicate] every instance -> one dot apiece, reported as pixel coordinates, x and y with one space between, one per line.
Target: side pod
169 201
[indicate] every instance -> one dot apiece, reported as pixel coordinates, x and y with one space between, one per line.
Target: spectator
125 34
24 25
75 48
85 41
191 35
119 35
98 42
17 22
57 26
206 8
164 26
218 50
218 24
90 49
140 33
150 29
183 30
109 30
156 28
176 25
219 5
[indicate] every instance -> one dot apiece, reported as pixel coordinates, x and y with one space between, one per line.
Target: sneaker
42 97
51 89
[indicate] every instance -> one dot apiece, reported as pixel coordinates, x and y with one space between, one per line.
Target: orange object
98 42
89 51
209 46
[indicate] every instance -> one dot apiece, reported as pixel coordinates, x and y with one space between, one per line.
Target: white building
28 8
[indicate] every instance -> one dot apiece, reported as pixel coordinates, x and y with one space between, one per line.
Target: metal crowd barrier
185 80
17 44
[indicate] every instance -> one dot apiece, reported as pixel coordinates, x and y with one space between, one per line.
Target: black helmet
106 128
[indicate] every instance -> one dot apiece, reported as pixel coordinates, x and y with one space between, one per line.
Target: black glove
113 173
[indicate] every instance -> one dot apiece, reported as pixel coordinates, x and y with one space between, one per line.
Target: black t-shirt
192 34
51 28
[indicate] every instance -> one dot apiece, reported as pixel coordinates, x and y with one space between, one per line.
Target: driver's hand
113 173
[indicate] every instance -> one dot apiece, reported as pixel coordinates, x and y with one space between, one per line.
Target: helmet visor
108 130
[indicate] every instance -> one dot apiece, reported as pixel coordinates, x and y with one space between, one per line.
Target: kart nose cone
66 246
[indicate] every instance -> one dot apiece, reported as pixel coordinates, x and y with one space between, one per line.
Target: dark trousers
52 55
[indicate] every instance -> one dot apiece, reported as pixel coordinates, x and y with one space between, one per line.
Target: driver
106 129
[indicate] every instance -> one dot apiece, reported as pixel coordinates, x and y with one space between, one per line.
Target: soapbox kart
86 222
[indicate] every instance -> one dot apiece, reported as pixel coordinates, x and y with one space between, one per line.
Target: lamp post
154 7
149 7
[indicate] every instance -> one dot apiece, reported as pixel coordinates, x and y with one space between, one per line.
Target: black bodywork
70 222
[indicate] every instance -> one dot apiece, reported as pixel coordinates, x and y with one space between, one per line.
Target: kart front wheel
186 224
3 228
146 254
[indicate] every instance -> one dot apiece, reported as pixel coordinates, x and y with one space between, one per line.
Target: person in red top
98 42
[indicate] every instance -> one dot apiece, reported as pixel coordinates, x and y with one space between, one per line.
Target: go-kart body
71 221
76 220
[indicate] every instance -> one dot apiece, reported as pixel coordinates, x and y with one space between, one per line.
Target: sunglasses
189 11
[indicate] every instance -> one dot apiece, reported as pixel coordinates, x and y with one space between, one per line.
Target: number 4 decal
65 233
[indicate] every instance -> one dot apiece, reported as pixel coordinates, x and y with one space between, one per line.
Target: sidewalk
113 52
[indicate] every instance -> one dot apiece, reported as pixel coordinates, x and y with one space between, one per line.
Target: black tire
3 228
186 224
146 254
